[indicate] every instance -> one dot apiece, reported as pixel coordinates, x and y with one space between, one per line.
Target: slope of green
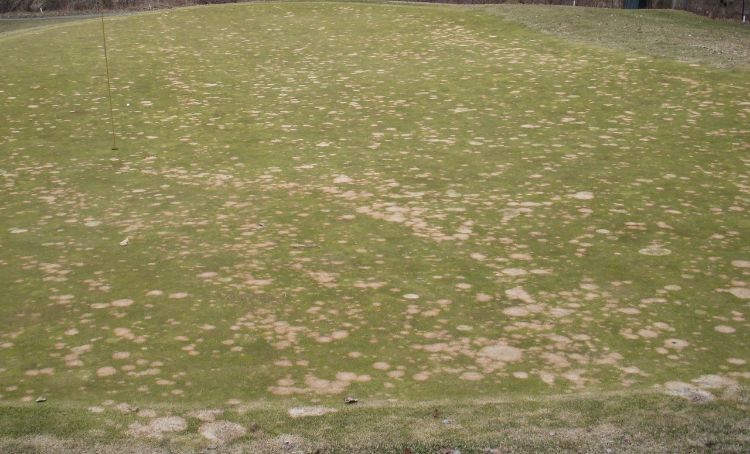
661 33
15 25
391 202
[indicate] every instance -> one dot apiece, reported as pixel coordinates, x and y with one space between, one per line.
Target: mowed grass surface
662 33
397 203
621 423
14 25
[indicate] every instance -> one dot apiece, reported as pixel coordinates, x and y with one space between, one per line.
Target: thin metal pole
109 84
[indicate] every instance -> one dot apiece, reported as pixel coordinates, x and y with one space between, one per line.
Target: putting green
395 203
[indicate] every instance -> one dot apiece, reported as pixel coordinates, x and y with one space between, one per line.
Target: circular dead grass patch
222 431
106 371
583 195
301 412
125 302
724 329
655 251
501 352
688 391
471 376
740 292
157 427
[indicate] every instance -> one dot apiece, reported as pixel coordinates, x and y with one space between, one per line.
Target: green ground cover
14 25
403 204
662 33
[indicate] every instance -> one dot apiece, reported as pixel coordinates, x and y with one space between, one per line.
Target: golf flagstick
109 84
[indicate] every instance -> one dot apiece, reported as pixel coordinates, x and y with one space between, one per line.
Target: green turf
9 25
394 202
611 423
662 33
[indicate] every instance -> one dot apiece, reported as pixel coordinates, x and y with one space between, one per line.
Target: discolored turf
394 203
